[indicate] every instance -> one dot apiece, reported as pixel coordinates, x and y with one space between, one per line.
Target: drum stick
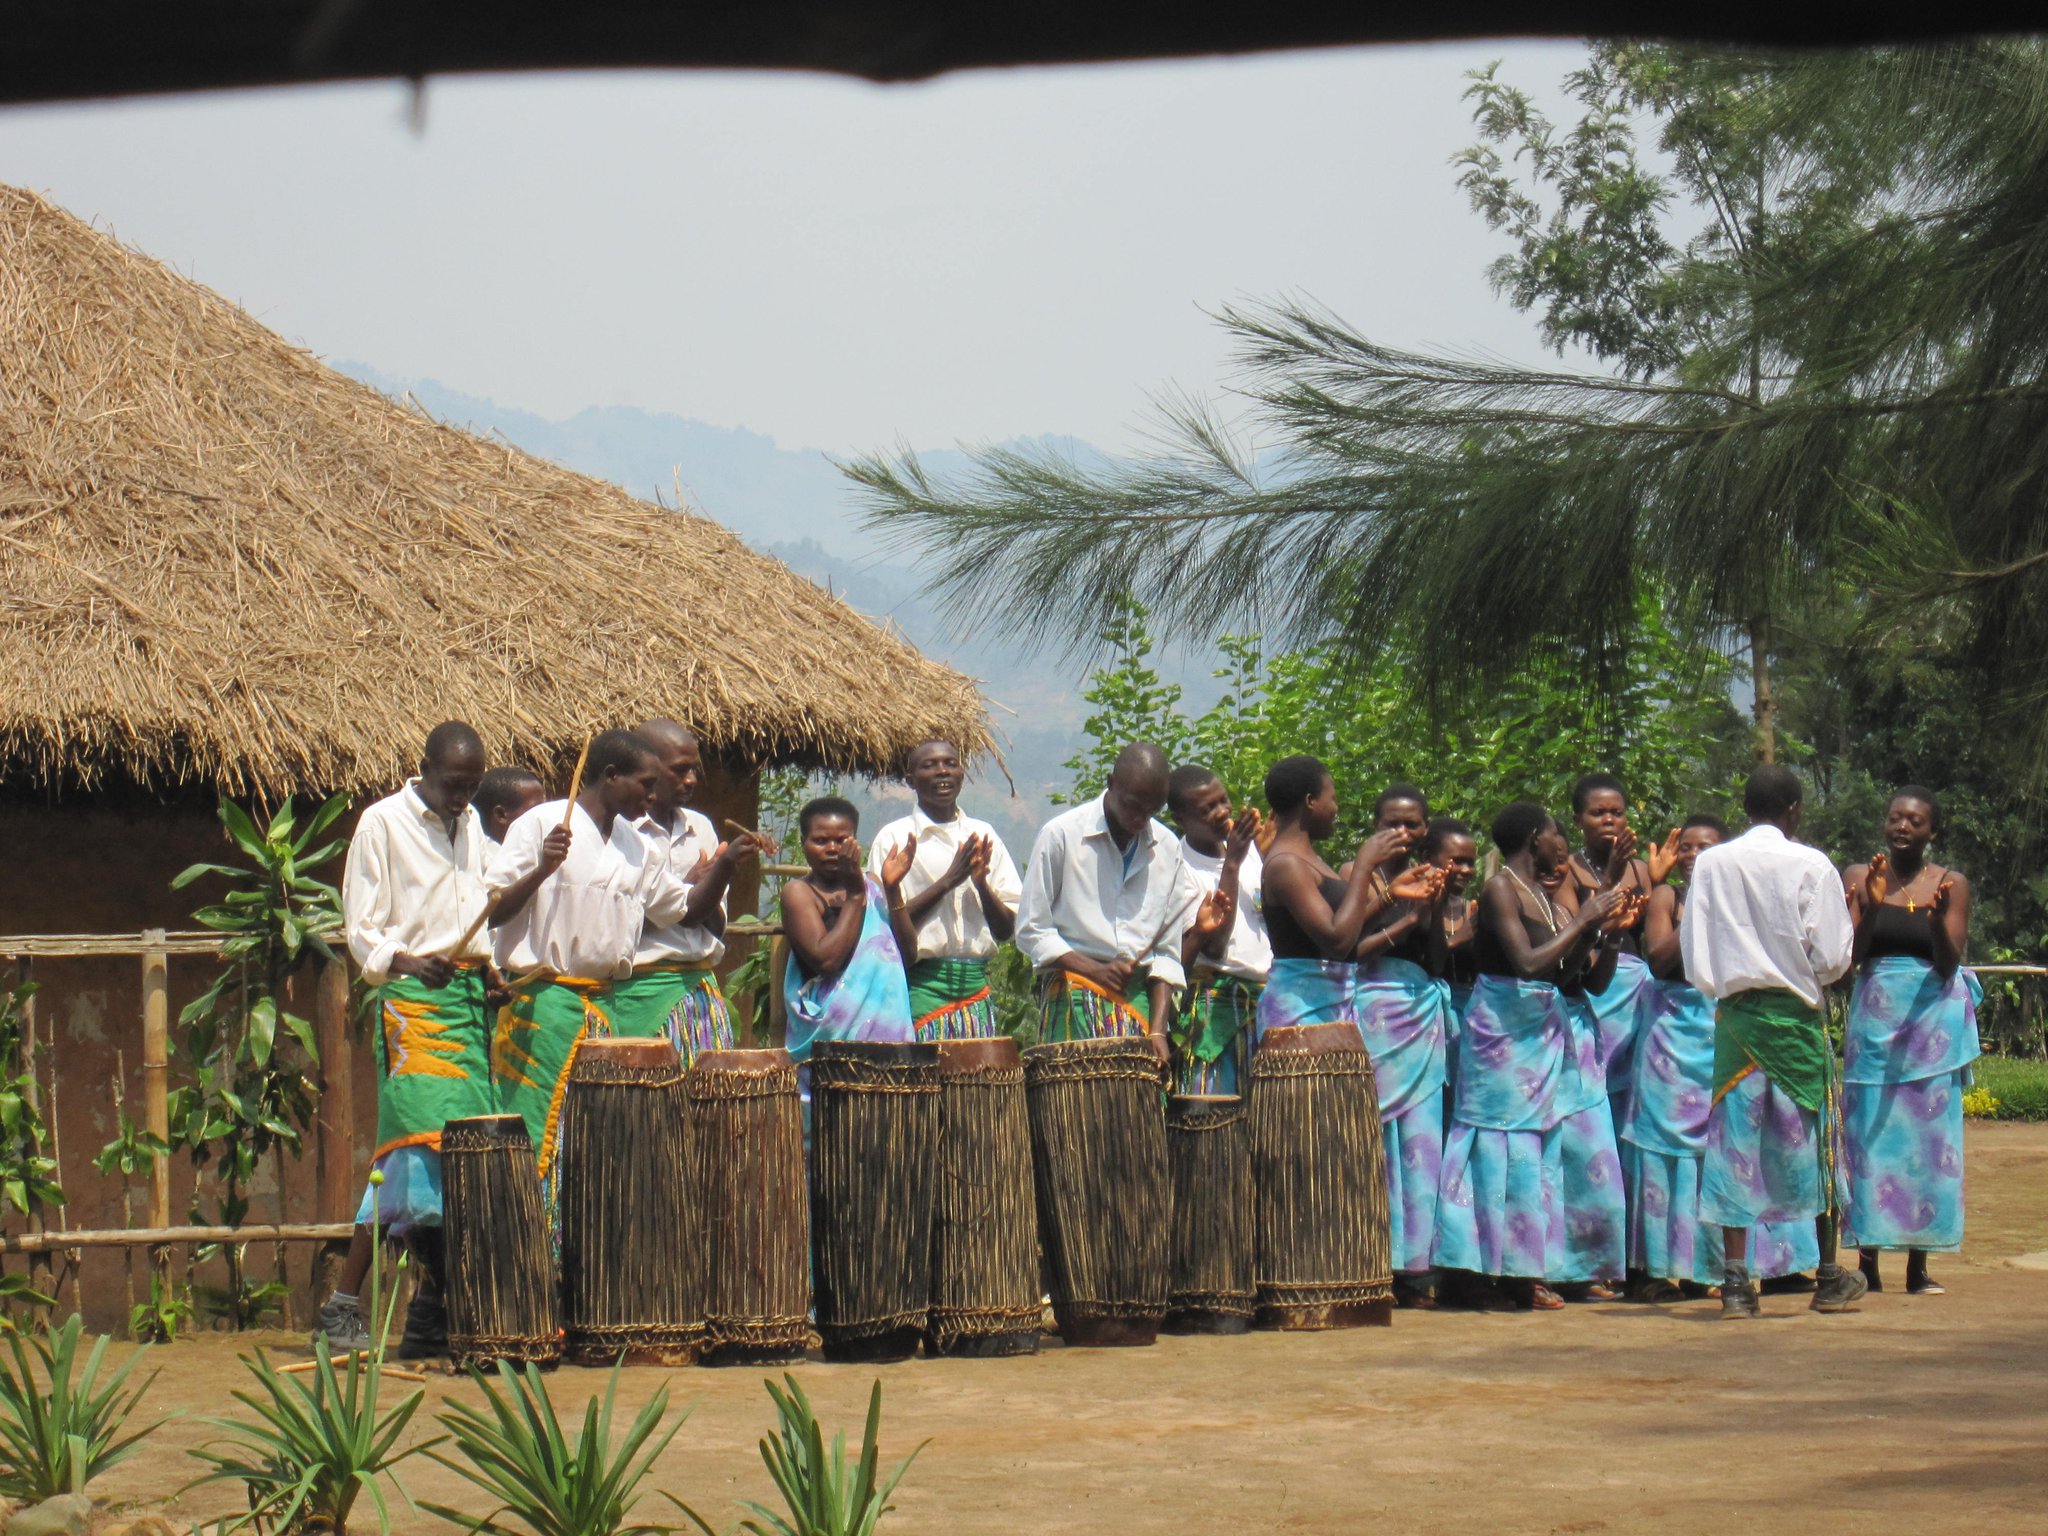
743 831
394 1371
477 927
575 785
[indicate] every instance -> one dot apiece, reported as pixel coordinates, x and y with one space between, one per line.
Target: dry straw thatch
224 563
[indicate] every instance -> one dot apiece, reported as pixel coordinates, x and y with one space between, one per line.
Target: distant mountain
796 506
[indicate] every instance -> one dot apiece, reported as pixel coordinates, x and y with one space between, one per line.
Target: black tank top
1415 946
1895 931
1289 940
1628 940
1490 957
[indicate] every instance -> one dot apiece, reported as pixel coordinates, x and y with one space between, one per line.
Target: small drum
1319 1174
1098 1143
632 1254
501 1277
985 1233
747 1148
874 1142
1209 1157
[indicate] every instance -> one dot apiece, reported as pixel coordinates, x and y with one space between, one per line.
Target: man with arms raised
960 896
1225 949
1766 929
1106 900
674 989
411 890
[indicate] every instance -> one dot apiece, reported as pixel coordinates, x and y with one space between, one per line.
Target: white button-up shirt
1080 897
1763 911
585 919
955 929
408 887
1247 953
692 838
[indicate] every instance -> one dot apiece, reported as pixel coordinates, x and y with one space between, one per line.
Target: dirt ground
1930 1412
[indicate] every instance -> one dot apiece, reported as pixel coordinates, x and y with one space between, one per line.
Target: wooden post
335 1139
38 1264
156 1065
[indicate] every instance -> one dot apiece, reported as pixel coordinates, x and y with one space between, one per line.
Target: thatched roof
224 563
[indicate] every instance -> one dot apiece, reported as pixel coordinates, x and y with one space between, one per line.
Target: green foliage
60 1432
318 1440
28 1175
824 1496
1665 725
515 1449
247 1057
1013 989
2021 1087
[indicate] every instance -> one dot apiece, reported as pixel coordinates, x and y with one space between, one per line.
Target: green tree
1817 290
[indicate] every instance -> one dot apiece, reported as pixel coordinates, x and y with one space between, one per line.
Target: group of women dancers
1545 1070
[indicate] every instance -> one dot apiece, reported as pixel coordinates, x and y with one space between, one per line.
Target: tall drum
985 1233
501 1277
1325 1257
632 1254
874 1141
1209 1154
1098 1143
747 1147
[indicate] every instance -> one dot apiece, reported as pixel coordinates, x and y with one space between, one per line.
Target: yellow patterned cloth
432 1044
535 1044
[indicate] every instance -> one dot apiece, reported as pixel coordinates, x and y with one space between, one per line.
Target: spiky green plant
318 1440
57 1436
515 1449
825 1496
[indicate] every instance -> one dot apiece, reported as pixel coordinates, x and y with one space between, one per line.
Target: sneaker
1838 1292
426 1327
1739 1301
342 1323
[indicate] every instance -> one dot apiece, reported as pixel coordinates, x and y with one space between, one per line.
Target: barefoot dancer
1499 1213
412 887
674 989
1912 1036
1404 1009
962 890
847 936
1766 929
1225 951
1106 900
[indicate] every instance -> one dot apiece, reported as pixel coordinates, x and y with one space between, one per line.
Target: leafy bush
318 1442
2020 1087
824 1496
518 1454
58 1436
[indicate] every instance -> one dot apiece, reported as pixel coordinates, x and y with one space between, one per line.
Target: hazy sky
837 264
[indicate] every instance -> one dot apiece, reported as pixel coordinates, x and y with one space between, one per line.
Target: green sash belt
940 984
639 1004
1217 1009
1779 1034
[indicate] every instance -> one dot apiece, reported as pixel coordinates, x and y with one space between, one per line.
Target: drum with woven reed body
1324 1253
985 1232
747 1156
632 1255
1098 1145
501 1275
1209 1155
874 1141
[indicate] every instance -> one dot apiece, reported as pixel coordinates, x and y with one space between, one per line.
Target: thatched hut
225 567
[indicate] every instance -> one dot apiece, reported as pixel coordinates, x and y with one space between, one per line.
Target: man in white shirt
674 989
1766 929
1106 899
577 882
961 894
1227 957
411 893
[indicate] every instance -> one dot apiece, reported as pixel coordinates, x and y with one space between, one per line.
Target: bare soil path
1931 1413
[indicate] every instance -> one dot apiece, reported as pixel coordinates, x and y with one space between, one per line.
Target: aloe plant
318 1440
825 1497
515 1449
56 1436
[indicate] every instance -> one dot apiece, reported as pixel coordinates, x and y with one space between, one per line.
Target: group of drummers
1606 1068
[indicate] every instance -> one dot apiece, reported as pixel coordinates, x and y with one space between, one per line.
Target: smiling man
1106 900
961 895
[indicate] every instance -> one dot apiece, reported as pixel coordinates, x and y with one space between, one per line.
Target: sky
840 265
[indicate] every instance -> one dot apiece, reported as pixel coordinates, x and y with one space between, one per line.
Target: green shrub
2021 1087
57 1437
825 1496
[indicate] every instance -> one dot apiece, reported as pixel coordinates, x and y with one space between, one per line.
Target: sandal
1543 1299
1658 1293
1598 1292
